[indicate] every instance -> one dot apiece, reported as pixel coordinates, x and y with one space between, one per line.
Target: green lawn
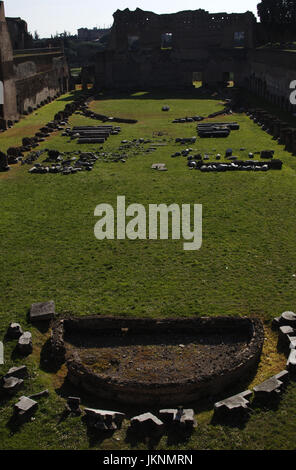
246 266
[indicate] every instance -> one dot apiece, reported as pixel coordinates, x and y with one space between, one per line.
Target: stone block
43 393
272 387
11 385
42 311
20 372
288 318
233 406
25 407
179 416
159 166
283 376
24 344
147 423
14 331
104 419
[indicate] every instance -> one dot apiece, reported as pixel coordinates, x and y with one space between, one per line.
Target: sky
49 17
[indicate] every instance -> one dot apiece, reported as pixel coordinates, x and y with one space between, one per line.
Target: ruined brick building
147 50
28 77
86 34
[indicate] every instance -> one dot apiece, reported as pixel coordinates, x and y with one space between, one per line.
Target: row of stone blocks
24 345
11 383
13 380
15 154
102 117
41 311
145 423
92 134
270 389
238 405
280 130
6 125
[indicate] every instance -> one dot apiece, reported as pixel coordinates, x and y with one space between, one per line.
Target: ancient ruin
147 50
156 362
29 78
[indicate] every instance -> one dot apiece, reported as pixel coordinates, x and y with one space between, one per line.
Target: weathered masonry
29 78
147 50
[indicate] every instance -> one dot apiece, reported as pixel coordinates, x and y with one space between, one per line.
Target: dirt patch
144 359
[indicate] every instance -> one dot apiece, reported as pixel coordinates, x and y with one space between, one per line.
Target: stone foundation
157 393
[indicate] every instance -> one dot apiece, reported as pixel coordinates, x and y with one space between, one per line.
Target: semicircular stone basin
157 361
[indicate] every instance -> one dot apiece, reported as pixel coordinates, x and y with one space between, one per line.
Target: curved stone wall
157 393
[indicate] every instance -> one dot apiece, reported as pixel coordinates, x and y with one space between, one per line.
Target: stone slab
283 376
104 413
236 401
104 420
268 386
147 422
25 406
286 330
159 166
42 311
43 393
19 372
11 384
179 416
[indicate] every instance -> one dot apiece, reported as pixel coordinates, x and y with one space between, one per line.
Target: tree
36 36
277 11
278 17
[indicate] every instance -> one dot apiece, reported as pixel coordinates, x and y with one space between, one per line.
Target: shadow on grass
194 93
236 420
4 398
271 405
16 354
135 438
176 435
96 436
15 422
47 362
68 98
91 401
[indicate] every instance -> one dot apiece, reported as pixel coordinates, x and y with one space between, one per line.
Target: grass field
246 265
